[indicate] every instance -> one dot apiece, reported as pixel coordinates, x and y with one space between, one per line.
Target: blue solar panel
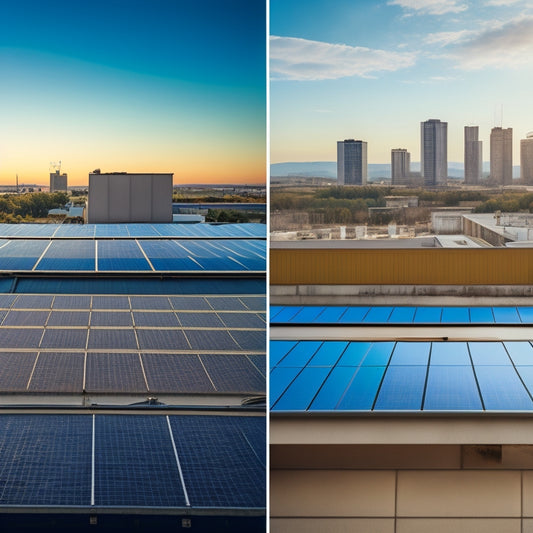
68 318
451 388
286 314
521 352
488 353
196 303
226 303
121 256
331 315
109 339
526 314
354 354
457 315
111 318
378 354
300 355
58 372
354 315
402 315
200 320
114 372
481 315
254 303
21 255
378 315
501 389
506 315
328 354
155 319
212 340
26 318
33 301
63 301
278 350
135 463
362 390
46 460
6 300
427 315
410 353
242 320
402 388
69 255
15 370
166 255
280 379
210 447
450 353
12 337
333 388
306 314
156 303
111 302
64 339
162 339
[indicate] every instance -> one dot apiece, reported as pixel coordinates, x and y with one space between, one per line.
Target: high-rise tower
526 159
351 162
501 156
473 155
434 152
400 166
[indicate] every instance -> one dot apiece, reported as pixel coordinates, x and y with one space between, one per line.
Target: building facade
526 159
121 197
352 167
400 166
434 152
58 182
501 156
473 155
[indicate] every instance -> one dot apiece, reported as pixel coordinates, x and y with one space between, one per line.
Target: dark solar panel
254 303
6 300
68 318
20 337
211 340
33 301
111 302
199 320
233 373
241 320
171 373
64 339
21 255
26 318
15 370
111 318
58 372
135 463
69 255
209 447
62 301
187 303
114 372
46 460
112 339
402 388
150 303
226 303
250 340
121 256
153 319
259 361
162 339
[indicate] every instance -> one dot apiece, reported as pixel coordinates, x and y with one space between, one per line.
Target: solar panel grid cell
58 372
114 372
233 373
15 370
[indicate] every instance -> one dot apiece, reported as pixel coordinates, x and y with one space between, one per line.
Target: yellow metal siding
441 266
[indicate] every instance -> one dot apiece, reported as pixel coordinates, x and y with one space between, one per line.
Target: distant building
125 198
434 152
400 166
352 168
501 156
526 159
473 155
58 182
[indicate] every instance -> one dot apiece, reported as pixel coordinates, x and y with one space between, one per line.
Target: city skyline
133 86
375 70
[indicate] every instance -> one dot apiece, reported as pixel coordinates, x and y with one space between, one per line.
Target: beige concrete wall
401 501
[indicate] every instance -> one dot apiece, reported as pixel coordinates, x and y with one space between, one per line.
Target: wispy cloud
445 38
502 2
300 59
508 45
430 7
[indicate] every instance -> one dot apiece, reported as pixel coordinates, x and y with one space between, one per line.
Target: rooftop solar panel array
401 376
48 460
385 315
132 231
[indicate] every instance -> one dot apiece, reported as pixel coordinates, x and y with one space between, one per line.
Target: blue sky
137 85
373 70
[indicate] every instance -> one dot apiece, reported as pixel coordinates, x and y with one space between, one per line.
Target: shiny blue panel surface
354 315
278 350
501 389
121 255
69 255
360 394
379 354
427 315
330 315
526 314
488 353
455 315
402 315
306 314
410 353
333 388
526 374
506 315
300 354
355 353
450 353
481 315
328 354
521 352
402 388
302 390
451 388
378 315
280 379
286 314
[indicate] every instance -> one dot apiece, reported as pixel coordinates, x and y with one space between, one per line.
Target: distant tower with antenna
58 181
